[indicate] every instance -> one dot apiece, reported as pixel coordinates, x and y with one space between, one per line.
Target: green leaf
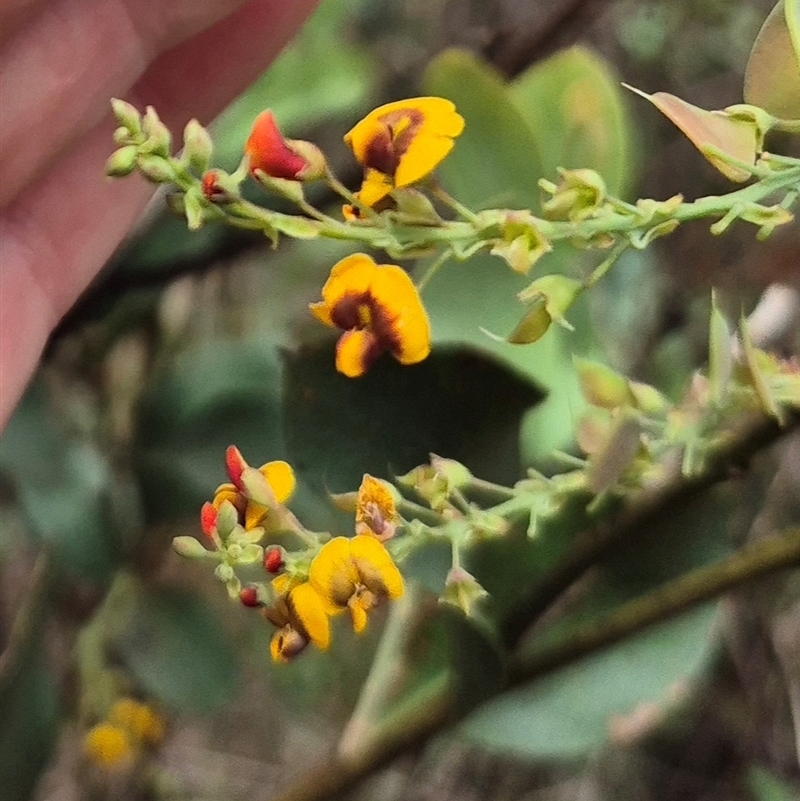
573 104
495 161
176 648
69 497
772 77
567 714
211 397
766 786
389 420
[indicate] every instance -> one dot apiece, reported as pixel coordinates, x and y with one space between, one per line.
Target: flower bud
208 518
219 187
235 465
227 519
293 160
578 195
273 560
456 473
127 116
155 168
461 589
193 208
188 547
122 136
122 162
197 146
249 596
158 139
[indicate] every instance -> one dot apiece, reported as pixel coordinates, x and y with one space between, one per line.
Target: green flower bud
127 116
156 169
122 162
158 138
461 589
197 146
189 547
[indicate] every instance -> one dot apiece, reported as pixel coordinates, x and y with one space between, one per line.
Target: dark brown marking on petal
344 312
385 149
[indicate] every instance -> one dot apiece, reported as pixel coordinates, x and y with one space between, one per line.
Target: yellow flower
278 474
108 746
301 616
376 512
355 574
140 720
400 143
379 309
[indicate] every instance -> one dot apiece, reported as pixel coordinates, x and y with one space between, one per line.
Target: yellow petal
374 188
332 573
375 567
423 155
356 350
254 515
358 615
226 492
108 746
310 610
394 291
438 114
280 477
350 276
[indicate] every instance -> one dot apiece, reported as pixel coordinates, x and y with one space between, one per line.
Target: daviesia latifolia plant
632 436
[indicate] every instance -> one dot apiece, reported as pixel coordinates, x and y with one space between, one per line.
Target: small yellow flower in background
142 721
376 512
301 616
108 746
355 574
400 143
379 309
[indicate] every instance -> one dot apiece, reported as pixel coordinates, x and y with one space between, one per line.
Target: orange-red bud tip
235 465
212 188
208 518
249 596
273 560
270 152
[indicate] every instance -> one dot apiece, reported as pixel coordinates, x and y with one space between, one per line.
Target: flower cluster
129 728
312 583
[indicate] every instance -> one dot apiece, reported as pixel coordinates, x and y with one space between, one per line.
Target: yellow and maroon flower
400 143
278 474
376 513
356 575
288 159
378 308
301 616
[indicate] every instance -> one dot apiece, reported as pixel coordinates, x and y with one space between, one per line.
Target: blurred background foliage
190 342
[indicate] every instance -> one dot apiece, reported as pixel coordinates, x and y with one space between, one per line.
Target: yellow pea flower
376 512
356 575
108 746
301 616
378 308
400 143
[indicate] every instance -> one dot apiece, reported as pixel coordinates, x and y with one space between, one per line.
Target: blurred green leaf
175 646
766 786
213 396
64 487
324 73
495 161
338 428
574 106
772 77
567 714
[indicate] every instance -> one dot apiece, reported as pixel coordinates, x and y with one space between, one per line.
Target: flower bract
378 308
400 143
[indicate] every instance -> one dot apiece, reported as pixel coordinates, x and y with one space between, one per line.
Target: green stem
337 186
452 203
434 268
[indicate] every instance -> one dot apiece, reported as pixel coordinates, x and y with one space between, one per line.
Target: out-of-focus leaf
766 786
28 721
495 161
567 714
573 104
772 77
64 487
338 428
211 397
323 74
175 647
734 137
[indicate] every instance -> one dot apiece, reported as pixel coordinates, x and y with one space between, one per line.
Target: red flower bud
249 596
208 518
213 190
273 560
270 152
235 465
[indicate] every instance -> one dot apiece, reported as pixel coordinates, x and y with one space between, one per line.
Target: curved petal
280 477
424 153
356 350
332 573
311 612
375 567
